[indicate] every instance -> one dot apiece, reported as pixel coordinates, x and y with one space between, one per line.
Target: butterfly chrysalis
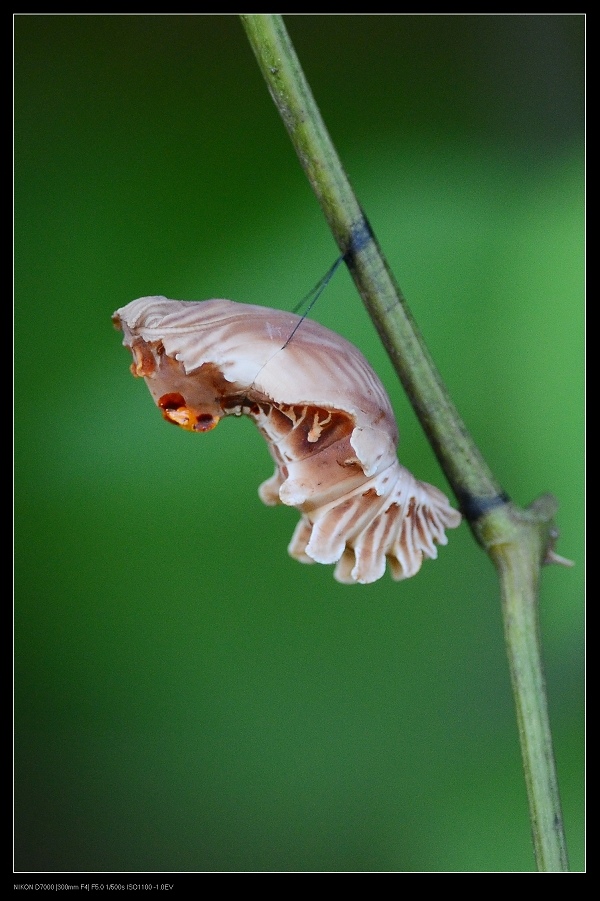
325 416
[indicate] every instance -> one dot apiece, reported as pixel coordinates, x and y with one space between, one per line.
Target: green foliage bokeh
187 697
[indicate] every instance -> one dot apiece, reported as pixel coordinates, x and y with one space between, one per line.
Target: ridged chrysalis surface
325 416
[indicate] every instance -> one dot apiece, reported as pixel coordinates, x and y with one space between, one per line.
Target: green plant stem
518 541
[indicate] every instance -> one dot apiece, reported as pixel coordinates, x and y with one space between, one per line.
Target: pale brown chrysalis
324 414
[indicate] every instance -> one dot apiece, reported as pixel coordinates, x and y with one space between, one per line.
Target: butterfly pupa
323 411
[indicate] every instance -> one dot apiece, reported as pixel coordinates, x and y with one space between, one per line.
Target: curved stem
465 468
517 541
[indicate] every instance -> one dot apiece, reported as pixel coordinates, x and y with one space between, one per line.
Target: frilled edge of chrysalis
323 412
392 518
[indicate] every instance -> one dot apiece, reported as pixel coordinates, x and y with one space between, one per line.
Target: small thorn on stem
551 557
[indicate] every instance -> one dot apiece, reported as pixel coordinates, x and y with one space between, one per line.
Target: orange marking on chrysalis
143 365
175 410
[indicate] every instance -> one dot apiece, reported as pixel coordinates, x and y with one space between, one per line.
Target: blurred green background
187 697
